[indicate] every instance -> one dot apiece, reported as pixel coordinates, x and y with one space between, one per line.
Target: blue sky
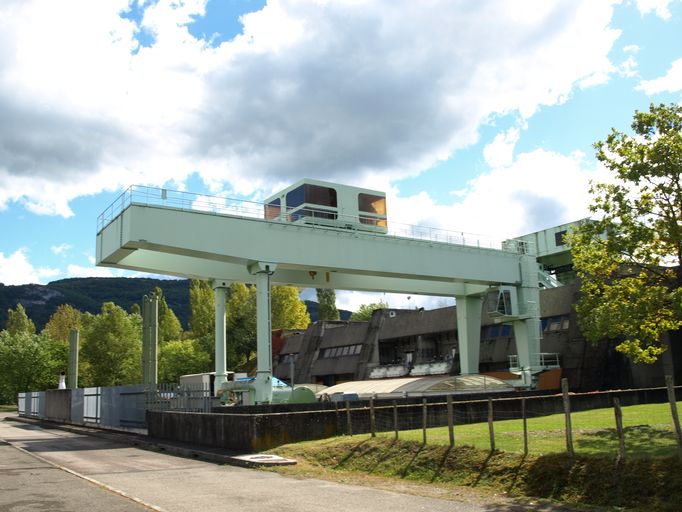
472 117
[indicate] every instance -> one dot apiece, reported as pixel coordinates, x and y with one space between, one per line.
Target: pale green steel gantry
225 241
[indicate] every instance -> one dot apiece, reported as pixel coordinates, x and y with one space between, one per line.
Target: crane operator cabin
319 203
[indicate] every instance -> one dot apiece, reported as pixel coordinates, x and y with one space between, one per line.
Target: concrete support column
263 334
150 340
73 360
468 332
220 296
263 271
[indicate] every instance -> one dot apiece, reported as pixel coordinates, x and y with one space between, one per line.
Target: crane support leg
468 332
219 293
263 271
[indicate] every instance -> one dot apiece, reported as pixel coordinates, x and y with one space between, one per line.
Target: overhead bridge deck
223 240
187 235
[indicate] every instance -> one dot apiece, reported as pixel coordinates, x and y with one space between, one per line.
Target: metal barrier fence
185 398
120 407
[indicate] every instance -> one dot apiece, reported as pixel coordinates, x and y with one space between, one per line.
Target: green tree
364 312
202 308
326 298
241 323
288 310
629 260
169 325
59 326
28 362
180 357
19 322
112 347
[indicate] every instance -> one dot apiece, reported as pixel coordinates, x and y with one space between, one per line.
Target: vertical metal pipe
73 359
220 336
145 340
153 340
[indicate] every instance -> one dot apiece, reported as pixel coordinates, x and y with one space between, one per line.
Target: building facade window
344 351
556 323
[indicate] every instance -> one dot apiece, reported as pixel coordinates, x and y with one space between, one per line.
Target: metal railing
219 205
542 360
184 398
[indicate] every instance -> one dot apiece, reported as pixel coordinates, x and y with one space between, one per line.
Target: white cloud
670 82
74 270
660 7
628 67
342 90
539 190
61 249
17 269
351 301
500 152
631 48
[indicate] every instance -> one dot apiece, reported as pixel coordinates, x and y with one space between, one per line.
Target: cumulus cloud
339 90
628 67
61 249
500 151
74 270
17 269
538 190
660 7
670 82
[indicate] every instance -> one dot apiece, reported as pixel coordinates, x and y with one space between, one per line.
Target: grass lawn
648 479
649 432
8 408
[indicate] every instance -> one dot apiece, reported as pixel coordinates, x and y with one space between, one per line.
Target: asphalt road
76 472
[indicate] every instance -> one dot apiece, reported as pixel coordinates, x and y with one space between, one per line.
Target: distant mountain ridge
87 294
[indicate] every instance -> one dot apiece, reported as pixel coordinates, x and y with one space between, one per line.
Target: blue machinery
322 235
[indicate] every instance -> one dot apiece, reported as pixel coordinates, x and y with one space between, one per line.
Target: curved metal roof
420 385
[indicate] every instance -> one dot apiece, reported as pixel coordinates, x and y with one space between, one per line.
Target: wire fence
533 429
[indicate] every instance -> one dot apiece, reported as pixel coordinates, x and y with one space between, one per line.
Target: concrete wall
251 432
241 433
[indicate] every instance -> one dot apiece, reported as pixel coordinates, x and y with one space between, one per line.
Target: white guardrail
219 205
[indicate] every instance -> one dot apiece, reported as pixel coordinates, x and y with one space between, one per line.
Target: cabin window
560 238
322 196
311 195
369 203
296 197
272 209
372 204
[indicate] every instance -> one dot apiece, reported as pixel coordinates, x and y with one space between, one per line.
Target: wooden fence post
424 419
372 418
619 428
349 423
567 413
525 426
491 428
673 410
395 418
451 422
